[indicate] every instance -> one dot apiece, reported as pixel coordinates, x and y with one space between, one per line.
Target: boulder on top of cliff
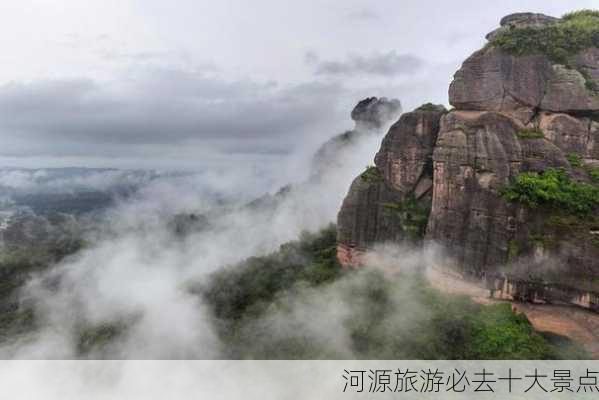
374 113
533 62
522 20
526 20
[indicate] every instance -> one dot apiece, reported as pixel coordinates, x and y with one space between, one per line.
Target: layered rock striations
493 80
516 111
391 200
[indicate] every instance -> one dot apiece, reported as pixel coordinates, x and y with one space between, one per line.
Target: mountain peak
373 112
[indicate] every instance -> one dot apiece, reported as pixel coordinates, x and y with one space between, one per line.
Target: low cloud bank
136 271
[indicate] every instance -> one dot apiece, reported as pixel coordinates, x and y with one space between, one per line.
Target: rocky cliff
391 201
507 181
370 116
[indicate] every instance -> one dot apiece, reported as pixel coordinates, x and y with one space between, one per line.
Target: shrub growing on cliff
372 175
553 188
590 83
499 333
296 303
594 174
577 15
93 338
533 133
17 264
432 107
445 327
250 285
573 33
383 318
574 159
412 214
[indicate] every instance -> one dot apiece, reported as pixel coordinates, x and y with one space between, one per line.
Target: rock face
478 153
480 148
491 79
566 91
390 202
570 134
404 158
364 219
495 81
513 114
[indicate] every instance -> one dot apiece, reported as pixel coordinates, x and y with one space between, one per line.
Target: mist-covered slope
297 303
134 266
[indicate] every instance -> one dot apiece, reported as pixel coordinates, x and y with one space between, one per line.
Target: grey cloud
381 64
364 14
108 48
141 56
160 108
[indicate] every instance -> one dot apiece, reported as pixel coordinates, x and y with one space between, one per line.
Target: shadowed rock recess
508 180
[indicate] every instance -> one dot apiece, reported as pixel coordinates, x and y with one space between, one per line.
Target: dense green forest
398 317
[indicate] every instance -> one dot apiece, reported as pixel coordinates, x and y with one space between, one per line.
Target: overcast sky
196 84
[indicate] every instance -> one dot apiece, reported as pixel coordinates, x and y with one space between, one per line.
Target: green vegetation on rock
555 189
513 250
275 307
445 327
372 175
559 41
412 214
594 174
581 14
533 133
574 159
17 264
432 107
590 83
573 227
94 337
247 288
